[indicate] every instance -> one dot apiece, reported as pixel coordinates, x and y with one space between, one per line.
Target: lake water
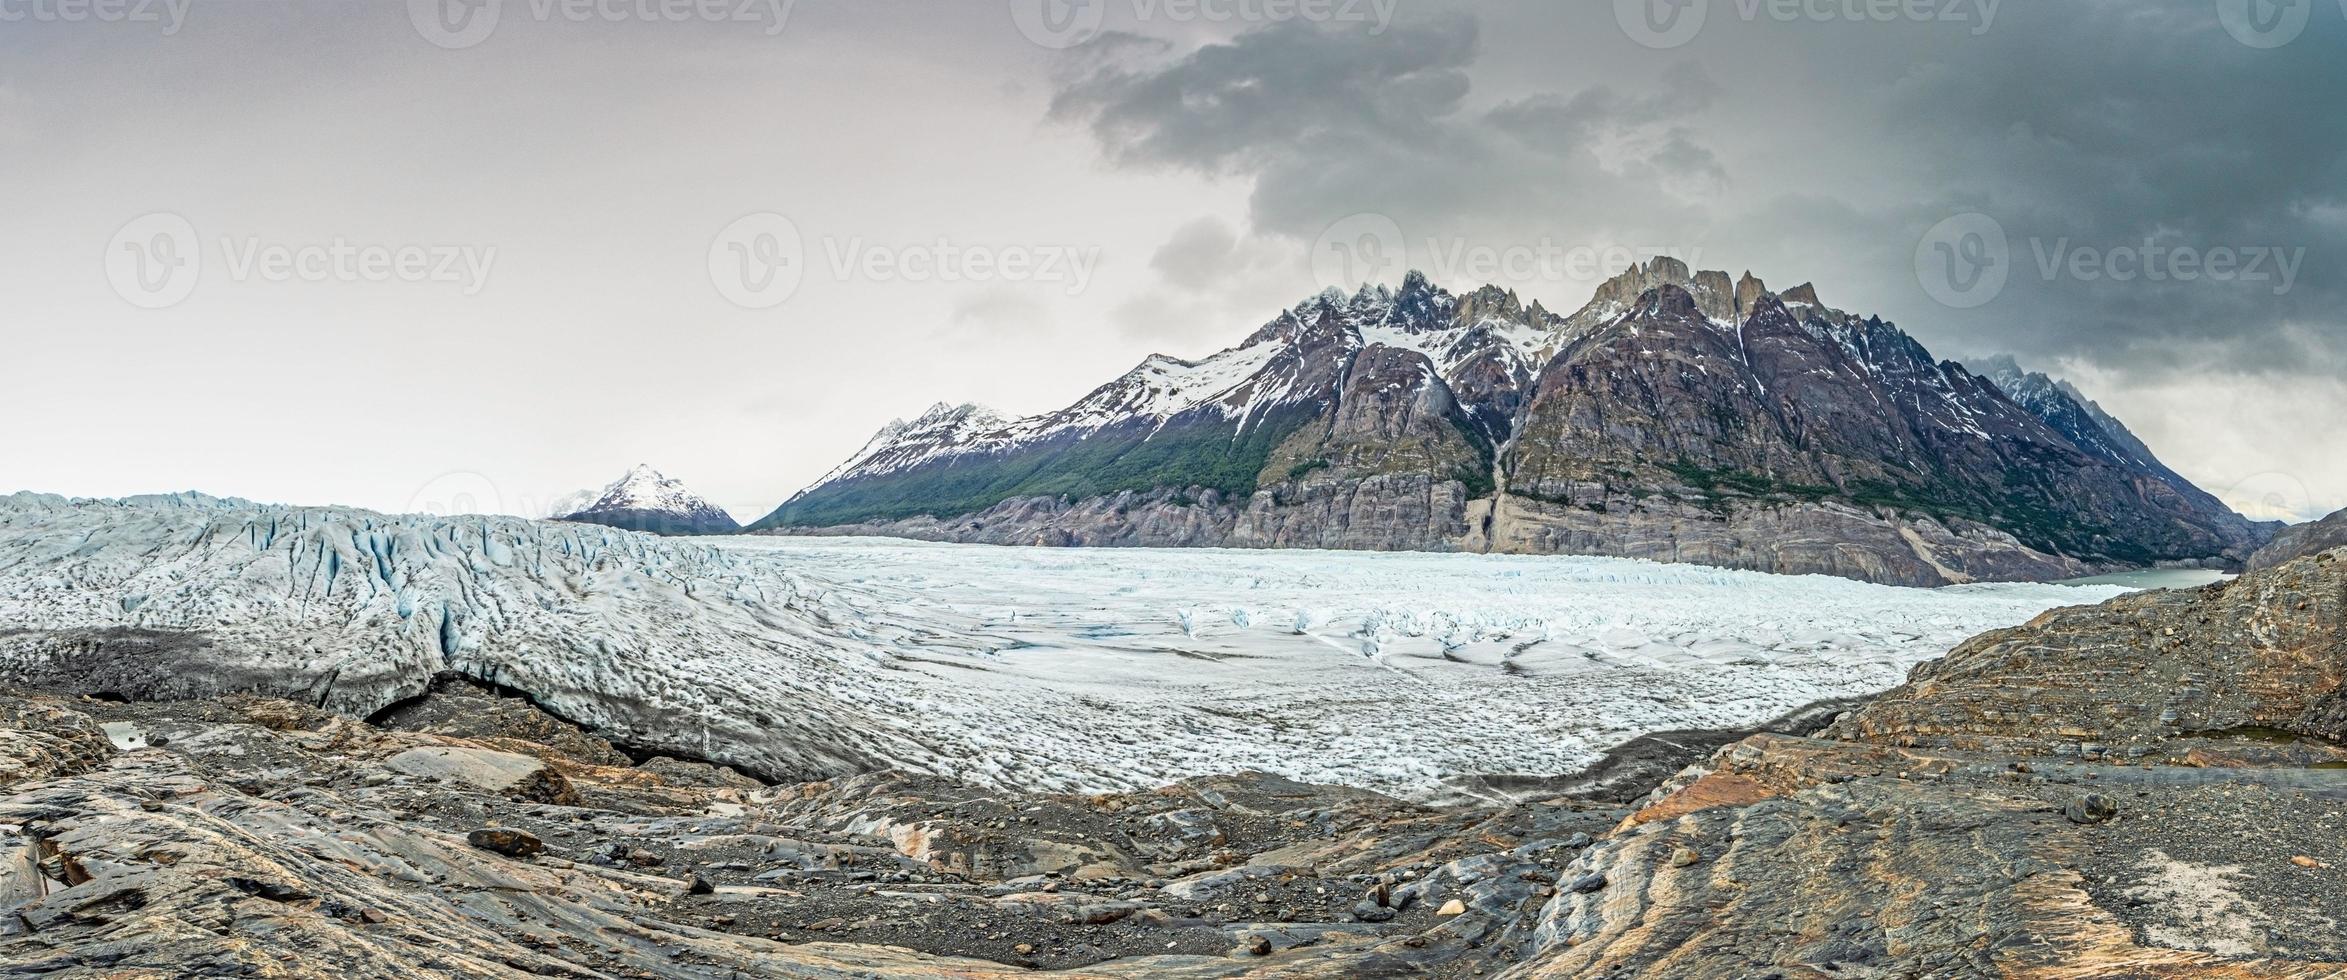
2156 578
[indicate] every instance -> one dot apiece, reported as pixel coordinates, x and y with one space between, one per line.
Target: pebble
1685 856
1451 908
1259 945
506 841
2091 808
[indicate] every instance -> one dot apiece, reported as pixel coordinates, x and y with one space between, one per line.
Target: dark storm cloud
2129 130
2145 131
1330 122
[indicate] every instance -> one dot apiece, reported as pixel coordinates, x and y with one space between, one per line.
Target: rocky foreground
2153 787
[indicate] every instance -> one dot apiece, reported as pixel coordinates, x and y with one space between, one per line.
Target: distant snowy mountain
644 500
1680 415
2070 412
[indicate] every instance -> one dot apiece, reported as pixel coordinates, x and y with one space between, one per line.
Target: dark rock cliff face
2299 541
1680 416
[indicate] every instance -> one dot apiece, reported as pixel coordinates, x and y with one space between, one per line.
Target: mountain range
644 500
1679 415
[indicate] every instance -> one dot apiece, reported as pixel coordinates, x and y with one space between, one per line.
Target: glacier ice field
1039 669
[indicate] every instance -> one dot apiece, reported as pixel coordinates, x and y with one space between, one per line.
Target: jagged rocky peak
1494 303
645 500
1803 295
967 416
1749 291
1713 291
1670 300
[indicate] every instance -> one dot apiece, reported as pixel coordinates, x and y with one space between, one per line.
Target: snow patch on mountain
1239 383
2070 412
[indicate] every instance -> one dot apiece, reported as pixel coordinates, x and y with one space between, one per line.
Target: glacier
1026 668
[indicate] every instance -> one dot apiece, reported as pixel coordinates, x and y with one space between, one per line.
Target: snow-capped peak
644 488
944 428
644 499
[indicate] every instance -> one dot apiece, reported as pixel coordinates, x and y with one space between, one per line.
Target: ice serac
1681 415
634 635
644 500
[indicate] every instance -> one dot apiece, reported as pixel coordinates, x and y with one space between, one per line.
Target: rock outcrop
2300 540
1680 415
265 838
2152 787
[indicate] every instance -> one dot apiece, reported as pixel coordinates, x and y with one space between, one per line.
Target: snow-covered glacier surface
1034 668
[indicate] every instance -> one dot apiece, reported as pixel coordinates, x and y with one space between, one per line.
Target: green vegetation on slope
1194 451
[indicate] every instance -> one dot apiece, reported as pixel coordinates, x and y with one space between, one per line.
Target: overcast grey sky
503 250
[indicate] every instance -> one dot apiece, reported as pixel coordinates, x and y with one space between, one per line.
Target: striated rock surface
2141 676
2152 787
267 839
1413 513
